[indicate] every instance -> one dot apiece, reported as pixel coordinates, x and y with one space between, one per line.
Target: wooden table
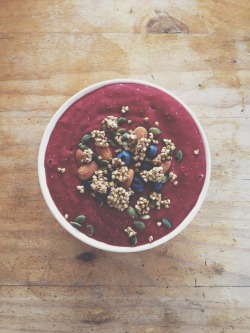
198 282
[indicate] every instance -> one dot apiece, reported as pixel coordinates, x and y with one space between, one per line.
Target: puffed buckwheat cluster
153 175
99 183
142 206
110 122
119 198
120 174
100 138
141 148
87 156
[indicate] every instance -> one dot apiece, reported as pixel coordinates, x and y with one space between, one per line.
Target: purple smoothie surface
86 115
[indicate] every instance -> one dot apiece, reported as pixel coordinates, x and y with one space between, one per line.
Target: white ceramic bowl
76 233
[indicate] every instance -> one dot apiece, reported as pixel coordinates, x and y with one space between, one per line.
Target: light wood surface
198 282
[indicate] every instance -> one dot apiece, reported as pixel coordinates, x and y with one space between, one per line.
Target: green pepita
164 179
144 217
95 157
121 121
76 225
104 128
86 138
132 212
166 223
99 201
125 143
152 204
82 146
121 130
104 163
90 230
113 144
133 240
139 224
179 156
154 131
80 219
125 135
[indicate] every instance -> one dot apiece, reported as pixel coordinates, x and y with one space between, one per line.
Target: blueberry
124 156
151 151
146 165
137 184
109 175
157 186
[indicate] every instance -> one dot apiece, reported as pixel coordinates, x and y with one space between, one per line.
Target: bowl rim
59 217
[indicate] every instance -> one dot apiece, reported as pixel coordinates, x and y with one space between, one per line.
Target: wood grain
198 282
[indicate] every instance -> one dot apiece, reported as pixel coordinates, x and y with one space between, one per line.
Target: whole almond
87 170
128 181
165 165
140 132
104 152
79 157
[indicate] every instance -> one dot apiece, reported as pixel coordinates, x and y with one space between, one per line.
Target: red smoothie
86 115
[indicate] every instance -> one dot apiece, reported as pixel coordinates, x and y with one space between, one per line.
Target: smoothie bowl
124 165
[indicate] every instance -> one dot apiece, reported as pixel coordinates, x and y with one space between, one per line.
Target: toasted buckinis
140 132
165 165
87 170
128 181
104 152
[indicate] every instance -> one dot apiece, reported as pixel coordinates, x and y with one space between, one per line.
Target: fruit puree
86 115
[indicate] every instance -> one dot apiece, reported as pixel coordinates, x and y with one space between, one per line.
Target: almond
140 132
79 157
128 181
87 170
104 152
165 165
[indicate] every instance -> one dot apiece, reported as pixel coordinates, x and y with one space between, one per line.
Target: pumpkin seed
132 212
152 204
133 240
125 143
179 156
82 146
80 219
117 134
144 217
154 131
113 144
76 225
104 128
86 138
104 163
95 157
99 201
167 223
164 179
121 121
139 225
124 135
90 230
121 130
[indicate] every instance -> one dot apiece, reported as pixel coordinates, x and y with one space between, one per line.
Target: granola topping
100 138
87 156
100 183
110 122
142 206
119 198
